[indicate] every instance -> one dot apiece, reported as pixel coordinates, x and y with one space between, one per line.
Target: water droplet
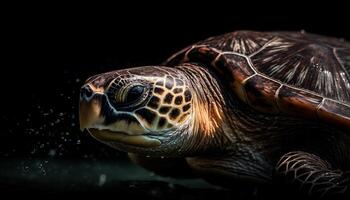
102 179
25 169
78 142
52 152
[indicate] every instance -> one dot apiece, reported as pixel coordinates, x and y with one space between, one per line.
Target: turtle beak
89 107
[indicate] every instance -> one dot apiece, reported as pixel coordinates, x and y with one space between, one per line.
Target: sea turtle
248 106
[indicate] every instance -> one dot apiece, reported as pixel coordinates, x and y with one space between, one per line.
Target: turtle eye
129 95
134 93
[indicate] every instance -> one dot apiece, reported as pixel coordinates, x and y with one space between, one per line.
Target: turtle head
138 110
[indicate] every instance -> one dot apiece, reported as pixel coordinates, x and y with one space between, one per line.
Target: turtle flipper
313 175
168 167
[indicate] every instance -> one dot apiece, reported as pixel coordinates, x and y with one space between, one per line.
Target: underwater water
45 153
42 150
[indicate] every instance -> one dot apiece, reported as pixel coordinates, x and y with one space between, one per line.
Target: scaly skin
218 135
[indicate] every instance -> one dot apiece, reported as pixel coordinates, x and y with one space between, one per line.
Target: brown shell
294 73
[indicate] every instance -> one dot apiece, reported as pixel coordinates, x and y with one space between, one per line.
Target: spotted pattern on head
169 105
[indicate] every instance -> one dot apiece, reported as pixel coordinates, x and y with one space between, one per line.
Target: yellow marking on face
121 125
132 128
135 128
137 140
173 99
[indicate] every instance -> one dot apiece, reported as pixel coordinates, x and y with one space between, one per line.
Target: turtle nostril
86 92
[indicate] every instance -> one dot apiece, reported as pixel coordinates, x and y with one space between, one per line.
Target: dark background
49 52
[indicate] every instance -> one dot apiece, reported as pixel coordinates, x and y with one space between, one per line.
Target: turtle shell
292 73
